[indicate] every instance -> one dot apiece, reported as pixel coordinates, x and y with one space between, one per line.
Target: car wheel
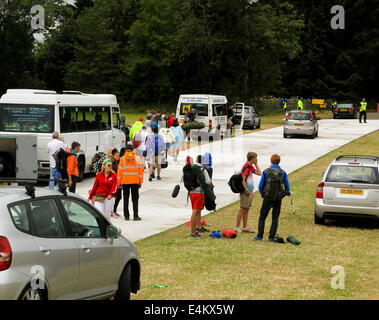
259 125
334 116
252 126
316 135
32 294
285 135
313 135
319 220
81 167
124 284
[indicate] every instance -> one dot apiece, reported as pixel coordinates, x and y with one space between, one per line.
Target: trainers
247 230
257 238
153 175
159 178
137 219
238 230
276 239
202 229
127 218
150 178
196 235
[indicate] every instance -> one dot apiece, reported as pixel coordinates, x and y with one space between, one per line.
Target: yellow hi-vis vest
363 106
300 105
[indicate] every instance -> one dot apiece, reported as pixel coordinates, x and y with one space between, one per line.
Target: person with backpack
155 151
72 166
52 147
246 196
104 189
273 187
137 126
141 137
207 163
130 178
197 182
179 138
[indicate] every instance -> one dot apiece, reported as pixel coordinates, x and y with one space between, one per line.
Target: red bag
226 233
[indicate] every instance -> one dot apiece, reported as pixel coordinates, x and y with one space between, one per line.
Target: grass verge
243 269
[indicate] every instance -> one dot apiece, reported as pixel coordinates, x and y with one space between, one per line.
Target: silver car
349 188
300 122
56 245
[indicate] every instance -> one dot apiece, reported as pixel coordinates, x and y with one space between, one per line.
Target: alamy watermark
38 17
338 20
338 281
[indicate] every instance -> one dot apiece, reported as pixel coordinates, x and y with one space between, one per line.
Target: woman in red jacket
104 189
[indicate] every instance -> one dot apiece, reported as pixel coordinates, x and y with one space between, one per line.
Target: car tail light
5 254
320 191
288 116
351 110
311 118
210 123
336 110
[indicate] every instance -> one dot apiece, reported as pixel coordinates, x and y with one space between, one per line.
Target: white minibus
93 120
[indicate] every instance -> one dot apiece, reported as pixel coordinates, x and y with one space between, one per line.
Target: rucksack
274 187
60 158
235 181
189 178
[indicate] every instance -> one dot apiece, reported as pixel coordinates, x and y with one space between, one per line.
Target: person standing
130 178
362 111
300 104
207 163
283 104
104 189
246 197
179 135
52 147
334 105
72 166
115 157
137 126
270 188
230 116
141 137
155 150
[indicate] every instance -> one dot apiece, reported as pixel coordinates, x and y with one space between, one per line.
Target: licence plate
352 192
344 110
299 125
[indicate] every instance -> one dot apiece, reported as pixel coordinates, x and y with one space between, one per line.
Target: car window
300 116
84 221
20 217
47 219
351 174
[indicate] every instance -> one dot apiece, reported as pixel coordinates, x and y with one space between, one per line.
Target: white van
212 110
93 120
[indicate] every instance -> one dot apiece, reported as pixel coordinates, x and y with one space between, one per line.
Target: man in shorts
246 197
155 151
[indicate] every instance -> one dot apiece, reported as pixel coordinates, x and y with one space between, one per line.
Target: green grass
243 269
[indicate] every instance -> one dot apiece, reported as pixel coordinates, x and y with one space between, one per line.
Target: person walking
52 147
246 197
130 178
300 104
72 166
137 126
207 163
141 137
179 135
104 189
155 150
362 111
115 157
168 138
271 190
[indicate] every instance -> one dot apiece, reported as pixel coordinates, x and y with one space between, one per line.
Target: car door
98 256
57 254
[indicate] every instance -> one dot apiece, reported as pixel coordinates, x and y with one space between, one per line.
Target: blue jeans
54 174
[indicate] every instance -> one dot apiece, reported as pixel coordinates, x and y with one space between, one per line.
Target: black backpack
274 188
189 178
235 181
60 158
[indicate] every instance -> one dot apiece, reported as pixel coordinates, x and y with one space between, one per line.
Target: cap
140 119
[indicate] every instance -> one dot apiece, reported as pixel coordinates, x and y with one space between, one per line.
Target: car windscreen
201 109
353 174
26 118
220 110
300 116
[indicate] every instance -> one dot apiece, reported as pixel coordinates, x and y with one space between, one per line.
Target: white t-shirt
52 147
141 138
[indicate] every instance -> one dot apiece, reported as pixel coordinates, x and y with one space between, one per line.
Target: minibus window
220 110
116 118
26 118
200 108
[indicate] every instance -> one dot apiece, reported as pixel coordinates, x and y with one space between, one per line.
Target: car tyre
318 220
32 294
285 135
259 125
316 135
124 284
334 116
81 167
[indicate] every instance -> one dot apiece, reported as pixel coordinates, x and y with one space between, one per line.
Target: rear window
26 118
300 116
220 110
200 108
353 174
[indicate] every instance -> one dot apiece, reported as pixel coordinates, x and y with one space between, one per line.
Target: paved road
159 211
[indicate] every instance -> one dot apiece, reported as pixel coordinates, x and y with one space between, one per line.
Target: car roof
300 111
10 194
371 161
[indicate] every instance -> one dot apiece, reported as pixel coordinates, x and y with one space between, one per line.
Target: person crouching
104 189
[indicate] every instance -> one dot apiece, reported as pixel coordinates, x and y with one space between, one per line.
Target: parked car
348 188
57 245
301 122
249 114
344 110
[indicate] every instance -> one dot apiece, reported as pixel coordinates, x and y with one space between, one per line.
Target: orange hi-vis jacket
130 169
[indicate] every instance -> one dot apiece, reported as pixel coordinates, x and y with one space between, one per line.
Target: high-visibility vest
363 106
334 104
130 169
300 105
285 105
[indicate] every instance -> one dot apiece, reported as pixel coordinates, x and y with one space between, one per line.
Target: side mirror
123 120
112 232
